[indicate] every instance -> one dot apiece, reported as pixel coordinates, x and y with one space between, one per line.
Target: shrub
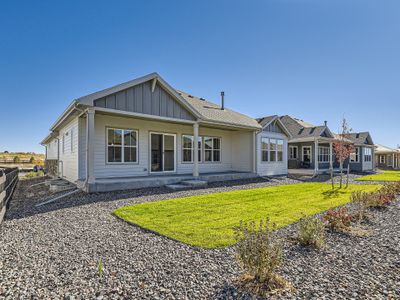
311 232
259 252
361 201
338 219
34 174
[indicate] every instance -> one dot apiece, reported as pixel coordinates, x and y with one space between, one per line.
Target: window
355 156
323 154
264 149
271 149
188 148
293 152
367 154
382 159
212 149
72 140
121 145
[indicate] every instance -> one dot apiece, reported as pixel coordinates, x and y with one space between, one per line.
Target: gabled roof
300 129
265 121
212 112
204 111
360 138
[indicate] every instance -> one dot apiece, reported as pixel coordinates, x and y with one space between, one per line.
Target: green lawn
207 220
383 176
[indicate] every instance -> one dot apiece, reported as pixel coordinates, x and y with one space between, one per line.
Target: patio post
254 167
90 132
195 150
331 155
316 157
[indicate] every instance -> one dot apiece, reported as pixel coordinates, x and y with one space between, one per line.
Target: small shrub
260 254
100 267
338 219
361 201
311 232
34 174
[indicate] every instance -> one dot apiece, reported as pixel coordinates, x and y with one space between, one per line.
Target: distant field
21 159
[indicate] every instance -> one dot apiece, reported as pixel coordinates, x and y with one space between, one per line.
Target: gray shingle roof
266 120
298 129
213 112
359 137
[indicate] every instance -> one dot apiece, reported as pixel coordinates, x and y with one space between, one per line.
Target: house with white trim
387 158
145 133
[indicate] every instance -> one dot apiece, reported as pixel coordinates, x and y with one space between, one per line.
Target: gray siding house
146 133
362 160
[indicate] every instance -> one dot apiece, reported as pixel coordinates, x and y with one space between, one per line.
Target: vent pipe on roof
222 100
325 123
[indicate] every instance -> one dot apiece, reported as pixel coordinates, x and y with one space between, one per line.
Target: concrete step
177 186
195 183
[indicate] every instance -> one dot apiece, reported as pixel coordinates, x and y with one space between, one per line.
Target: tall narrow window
264 149
355 156
272 149
121 145
279 150
212 149
367 154
187 148
293 152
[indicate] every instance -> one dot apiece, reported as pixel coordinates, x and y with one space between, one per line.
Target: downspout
87 149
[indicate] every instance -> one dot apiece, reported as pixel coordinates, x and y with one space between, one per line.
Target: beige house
387 158
145 133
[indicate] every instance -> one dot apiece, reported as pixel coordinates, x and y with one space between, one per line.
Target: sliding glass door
162 152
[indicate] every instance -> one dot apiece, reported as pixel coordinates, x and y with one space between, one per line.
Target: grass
383 176
208 220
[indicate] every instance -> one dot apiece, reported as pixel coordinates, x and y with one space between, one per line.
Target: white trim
356 155
302 153
297 152
212 149
123 147
319 154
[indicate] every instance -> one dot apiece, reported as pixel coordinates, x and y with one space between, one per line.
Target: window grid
122 146
323 154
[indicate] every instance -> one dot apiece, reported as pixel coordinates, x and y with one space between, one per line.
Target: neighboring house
387 158
272 147
362 159
145 133
310 149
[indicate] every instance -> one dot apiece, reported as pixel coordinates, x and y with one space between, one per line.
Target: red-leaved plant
338 219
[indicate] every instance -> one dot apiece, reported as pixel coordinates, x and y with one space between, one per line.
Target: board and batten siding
102 169
276 167
68 157
141 99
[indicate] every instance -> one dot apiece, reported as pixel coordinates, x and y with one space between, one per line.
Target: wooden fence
8 182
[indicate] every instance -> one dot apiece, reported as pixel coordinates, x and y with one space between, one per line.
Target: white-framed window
122 145
367 154
323 154
271 149
188 148
293 152
355 156
212 149
382 159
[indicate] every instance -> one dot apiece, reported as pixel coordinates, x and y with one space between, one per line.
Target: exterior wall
242 151
68 158
102 169
297 163
82 148
272 168
52 149
142 99
389 163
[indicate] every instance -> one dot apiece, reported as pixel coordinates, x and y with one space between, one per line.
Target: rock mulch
53 252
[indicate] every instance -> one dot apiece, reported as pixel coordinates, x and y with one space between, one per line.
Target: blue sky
317 60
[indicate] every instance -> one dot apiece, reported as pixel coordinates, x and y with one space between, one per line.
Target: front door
162 152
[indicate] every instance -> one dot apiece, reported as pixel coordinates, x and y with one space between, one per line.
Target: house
145 133
362 159
386 157
272 147
310 147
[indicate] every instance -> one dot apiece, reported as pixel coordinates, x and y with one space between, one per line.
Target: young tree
343 148
32 160
17 159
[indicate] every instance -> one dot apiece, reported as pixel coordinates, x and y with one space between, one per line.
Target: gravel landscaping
53 251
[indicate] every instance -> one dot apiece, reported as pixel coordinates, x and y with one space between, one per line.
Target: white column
254 168
393 161
195 150
316 156
90 131
331 155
